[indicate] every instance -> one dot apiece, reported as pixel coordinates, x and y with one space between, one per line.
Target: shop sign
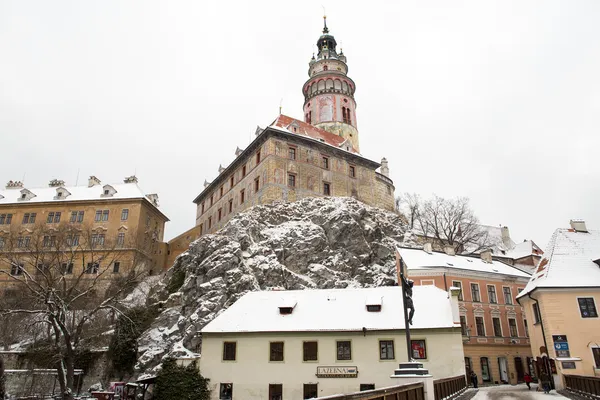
337 372
561 346
568 365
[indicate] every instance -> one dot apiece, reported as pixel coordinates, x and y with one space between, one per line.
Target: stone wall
272 174
27 384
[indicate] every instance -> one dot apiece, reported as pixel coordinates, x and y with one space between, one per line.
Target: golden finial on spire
325 30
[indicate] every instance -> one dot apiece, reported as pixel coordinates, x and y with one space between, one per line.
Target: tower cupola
329 93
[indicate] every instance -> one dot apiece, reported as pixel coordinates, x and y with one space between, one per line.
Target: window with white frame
492 294
458 284
507 295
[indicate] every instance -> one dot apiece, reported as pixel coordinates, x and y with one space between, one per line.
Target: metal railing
449 388
588 386
414 391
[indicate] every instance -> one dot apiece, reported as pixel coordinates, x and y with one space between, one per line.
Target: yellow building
561 300
96 229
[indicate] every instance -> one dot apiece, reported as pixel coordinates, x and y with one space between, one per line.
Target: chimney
506 237
486 256
56 183
93 181
385 170
578 225
131 179
428 248
14 185
449 250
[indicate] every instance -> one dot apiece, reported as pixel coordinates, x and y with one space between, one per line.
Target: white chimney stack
428 248
578 225
506 237
385 170
486 256
14 185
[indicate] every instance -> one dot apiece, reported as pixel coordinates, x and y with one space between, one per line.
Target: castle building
79 231
495 328
292 159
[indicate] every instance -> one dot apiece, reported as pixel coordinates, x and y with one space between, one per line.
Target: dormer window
61 193
374 304
287 306
26 195
108 191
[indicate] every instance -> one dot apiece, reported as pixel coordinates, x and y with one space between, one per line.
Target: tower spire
325 29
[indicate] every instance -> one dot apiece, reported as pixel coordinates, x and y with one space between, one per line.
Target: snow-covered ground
518 392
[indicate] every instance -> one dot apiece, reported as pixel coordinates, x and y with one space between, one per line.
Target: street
519 392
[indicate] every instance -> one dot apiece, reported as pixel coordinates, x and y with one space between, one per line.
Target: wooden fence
588 386
449 388
414 391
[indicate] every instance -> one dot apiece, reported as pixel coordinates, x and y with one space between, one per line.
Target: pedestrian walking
528 380
545 382
474 379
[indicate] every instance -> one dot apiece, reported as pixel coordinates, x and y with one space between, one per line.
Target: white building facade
305 344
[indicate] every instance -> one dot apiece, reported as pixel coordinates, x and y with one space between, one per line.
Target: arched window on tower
345 114
348 117
309 117
325 67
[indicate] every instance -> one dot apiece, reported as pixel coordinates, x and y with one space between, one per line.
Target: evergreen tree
180 383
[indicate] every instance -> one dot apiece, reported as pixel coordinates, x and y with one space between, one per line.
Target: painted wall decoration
325 108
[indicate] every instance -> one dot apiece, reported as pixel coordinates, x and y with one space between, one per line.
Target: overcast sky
498 101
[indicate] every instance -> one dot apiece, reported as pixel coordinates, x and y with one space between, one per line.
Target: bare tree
449 222
409 204
65 278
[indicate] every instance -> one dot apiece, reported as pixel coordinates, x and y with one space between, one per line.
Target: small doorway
519 369
485 370
503 367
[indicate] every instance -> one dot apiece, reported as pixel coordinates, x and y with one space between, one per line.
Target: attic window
106 192
59 194
23 195
373 304
286 306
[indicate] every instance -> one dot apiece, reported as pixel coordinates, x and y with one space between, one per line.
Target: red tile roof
303 128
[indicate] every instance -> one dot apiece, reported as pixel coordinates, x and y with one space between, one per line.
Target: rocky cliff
312 243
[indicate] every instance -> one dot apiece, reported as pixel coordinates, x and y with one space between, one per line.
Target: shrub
174 382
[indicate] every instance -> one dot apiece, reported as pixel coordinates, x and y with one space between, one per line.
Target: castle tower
329 92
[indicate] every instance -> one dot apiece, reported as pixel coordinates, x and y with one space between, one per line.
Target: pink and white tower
329 92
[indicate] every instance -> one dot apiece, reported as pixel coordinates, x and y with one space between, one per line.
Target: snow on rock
311 243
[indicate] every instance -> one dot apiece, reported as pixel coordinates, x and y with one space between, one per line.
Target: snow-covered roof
333 310
116 191
523 249
283 122
417 259
568 261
